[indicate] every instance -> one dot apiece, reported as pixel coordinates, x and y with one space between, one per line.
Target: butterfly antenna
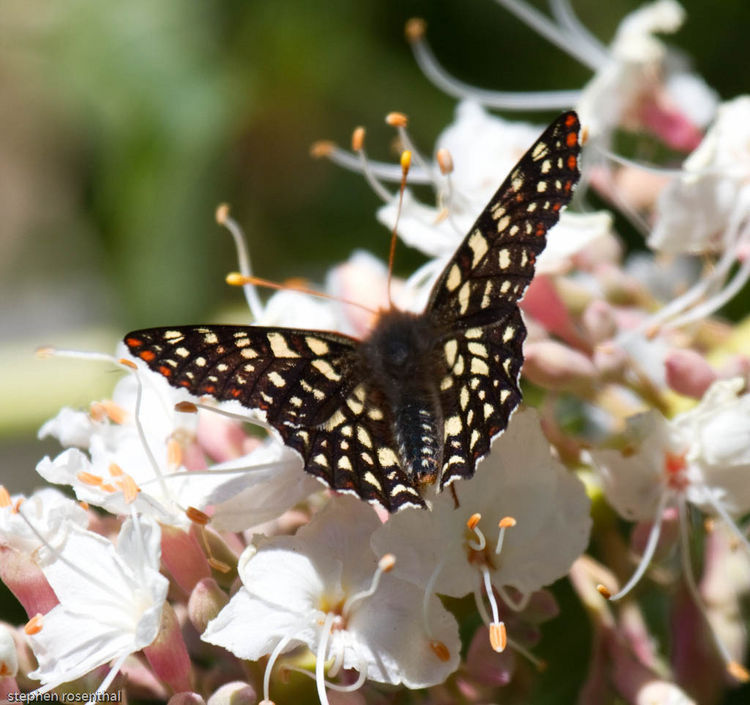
405 164
238 279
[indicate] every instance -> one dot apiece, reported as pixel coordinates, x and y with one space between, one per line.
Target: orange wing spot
133 342
572 162
165 371
184 383
570 120
209 389
571 139
236 393
556 206
540 230
147 355
519 197
568 186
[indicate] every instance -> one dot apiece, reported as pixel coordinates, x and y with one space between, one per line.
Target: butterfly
418 401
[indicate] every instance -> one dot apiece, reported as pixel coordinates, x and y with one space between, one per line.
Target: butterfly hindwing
495 262
306 383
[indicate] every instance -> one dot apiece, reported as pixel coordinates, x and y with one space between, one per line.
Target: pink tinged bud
187 698
672 126
610 361
688 373
558 368
8 663
183 557
167 654
543 302
599 321
26 581
206 601
235 693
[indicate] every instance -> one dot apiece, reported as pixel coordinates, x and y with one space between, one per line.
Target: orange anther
415 29
387 562
473 521
197 516
604 592
498 636
222 213
322 148
34 625
358 139
440 650
396 119
5 500
88 478
506 522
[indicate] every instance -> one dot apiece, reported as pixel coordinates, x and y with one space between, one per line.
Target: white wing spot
479 367
276 379
326 370
279 346
386 457
504 258
479 247
451 348
454 278
317 346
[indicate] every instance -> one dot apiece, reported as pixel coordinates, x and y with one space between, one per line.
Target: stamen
687 570
238 279
88 478
320 656
730 523
186 407
48 351
243 258
440 650
5 499
361 677
445 161
174 453
130 489
473 525
505 523
648 553
516 605
283 643
385 565
400 122
405 164
115 470
498 636
34 625
532 100
17 506
358 147
738 671
428 590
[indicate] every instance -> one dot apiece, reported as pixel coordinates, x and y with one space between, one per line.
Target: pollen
415 29
358 138
473 521
604 591
5 500
498 636
197 516
440 650
130 489
34 625
89 479
396 119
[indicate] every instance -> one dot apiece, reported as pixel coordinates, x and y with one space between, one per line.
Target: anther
130 489
45 352
108 487
17 506
115 470
405 162
440 650
738 671
5 500
445 161
322 148
473 521
396 119
197 516
503 524
584 135
174 453
222 213
128 363
473 525
186 407
88 478
114 412
385 565
358 139
604 591
498 636
34 625
387 562
415 29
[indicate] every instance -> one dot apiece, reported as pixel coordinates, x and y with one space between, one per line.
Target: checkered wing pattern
307 386
476 298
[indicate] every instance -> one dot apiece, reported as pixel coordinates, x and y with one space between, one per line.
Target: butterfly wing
308 386
475 300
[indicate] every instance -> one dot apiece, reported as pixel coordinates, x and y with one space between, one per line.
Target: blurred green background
123 125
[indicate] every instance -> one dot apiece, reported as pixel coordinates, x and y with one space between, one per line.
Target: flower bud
558 368
599 321
183 557
186 698
688 373
167 654
235 693
206 601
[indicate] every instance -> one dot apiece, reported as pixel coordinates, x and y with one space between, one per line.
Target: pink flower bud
167 654
688 373
206 600
187 698
26 581
557 367
599 321
183 557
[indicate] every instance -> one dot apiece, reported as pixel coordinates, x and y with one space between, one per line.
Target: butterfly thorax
399 356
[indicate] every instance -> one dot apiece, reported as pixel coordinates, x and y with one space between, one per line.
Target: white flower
48 517
110 601
484 148
518 479
695 210
144 467
317 588
702 455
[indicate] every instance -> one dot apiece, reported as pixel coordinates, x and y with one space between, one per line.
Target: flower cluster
198 562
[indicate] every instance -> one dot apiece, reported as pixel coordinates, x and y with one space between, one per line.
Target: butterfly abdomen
400 360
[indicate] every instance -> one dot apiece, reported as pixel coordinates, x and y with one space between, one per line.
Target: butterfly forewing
350 423
495 262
